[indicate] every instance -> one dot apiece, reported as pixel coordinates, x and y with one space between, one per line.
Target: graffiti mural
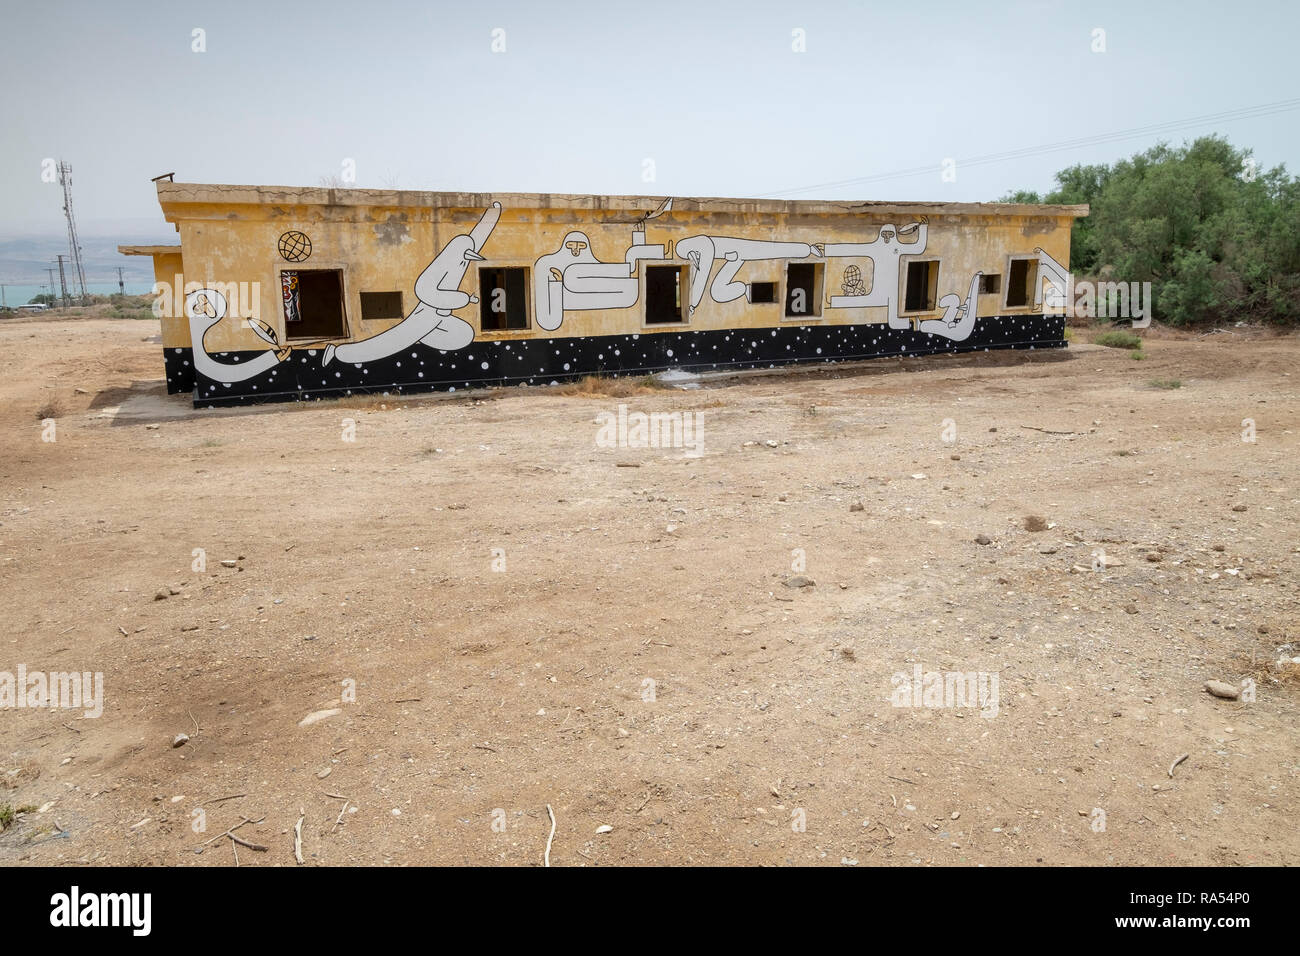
885 253
703 252
438 289
571 277
205 308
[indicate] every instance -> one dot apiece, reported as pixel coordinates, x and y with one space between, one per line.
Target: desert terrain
688 659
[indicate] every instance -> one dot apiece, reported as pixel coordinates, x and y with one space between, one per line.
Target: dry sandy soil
482 696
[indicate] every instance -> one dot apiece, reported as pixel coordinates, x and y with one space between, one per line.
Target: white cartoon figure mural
205 308
704 251
1057 276
958 317
573 279
438 289
884 251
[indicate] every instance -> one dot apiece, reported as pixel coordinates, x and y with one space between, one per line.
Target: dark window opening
1020 282
922 283
802 290
762 292
663 294
990 284
503 298
381 305
313 304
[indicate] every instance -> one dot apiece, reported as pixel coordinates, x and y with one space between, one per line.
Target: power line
1248 112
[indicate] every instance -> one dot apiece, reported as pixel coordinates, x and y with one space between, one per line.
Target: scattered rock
1035 523
955 457
856 506
1153 556
799 581
228 563
180 740
160 596
1047 549
604 828
772 443
1238 507
1219 689
1130 609
317 715
324 773
983 539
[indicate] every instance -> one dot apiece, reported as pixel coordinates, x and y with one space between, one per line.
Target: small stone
1153 556
983 539
955 457
1130 609
799 581
324 773
604 828
180 740
1219 689
318 715
1035 523
160 596
955 815
856 506
1047 549
228 563
771 443
1238 507
781 497
845 861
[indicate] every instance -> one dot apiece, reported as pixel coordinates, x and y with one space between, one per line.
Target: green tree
1216 237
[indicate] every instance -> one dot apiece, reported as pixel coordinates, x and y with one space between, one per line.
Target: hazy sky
585 93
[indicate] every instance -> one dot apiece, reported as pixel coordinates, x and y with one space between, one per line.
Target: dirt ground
641 662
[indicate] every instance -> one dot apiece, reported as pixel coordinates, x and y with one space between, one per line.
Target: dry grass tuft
604 386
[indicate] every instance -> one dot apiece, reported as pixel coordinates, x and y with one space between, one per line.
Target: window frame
932 292
349 333
683 289
530 324
818 290
1031 285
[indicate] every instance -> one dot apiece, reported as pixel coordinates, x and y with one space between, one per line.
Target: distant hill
24 259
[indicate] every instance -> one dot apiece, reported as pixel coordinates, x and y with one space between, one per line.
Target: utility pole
63 282
74 245
121 286
50 270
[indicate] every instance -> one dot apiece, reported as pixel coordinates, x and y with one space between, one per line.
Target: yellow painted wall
381 249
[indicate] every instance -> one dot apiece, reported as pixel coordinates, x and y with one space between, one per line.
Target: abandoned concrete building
283 293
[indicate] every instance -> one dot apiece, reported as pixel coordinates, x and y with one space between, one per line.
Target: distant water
22 294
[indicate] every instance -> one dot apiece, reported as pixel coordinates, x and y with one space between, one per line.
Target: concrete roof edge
173 193
147 250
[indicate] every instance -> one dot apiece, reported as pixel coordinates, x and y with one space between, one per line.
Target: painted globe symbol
295 246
